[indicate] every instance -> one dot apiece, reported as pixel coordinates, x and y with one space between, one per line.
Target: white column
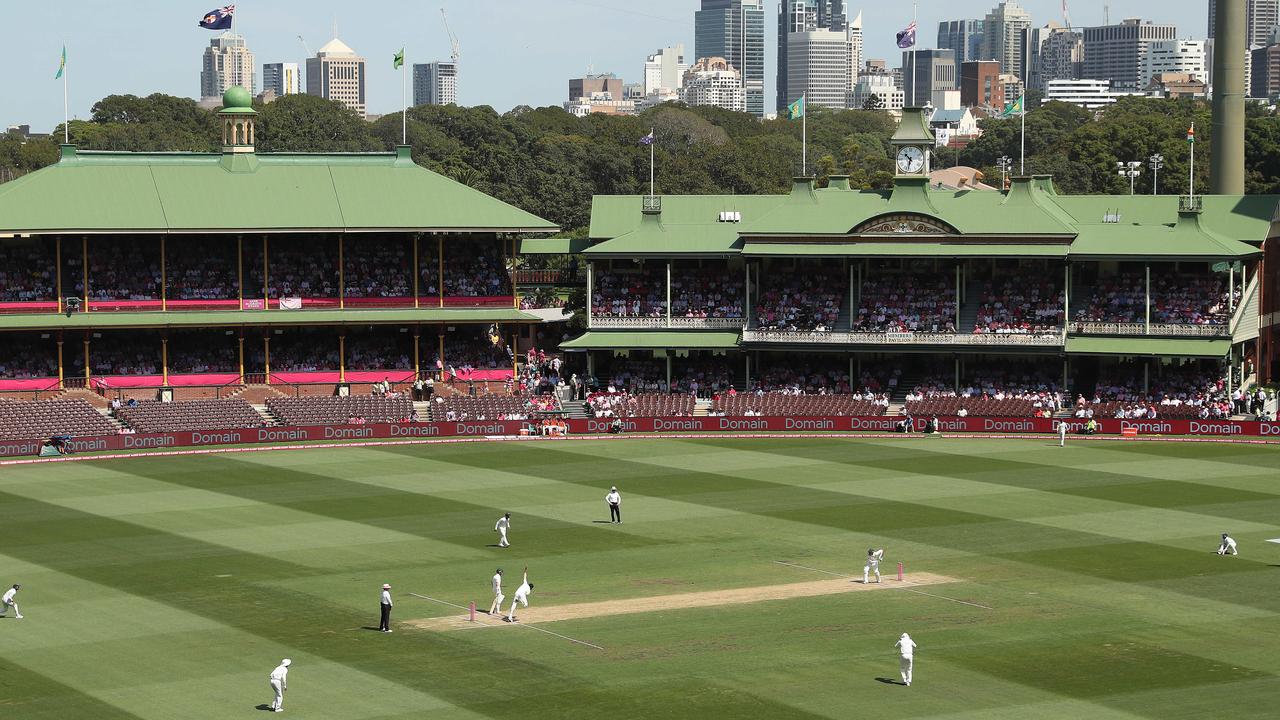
590 298
668 317
1231 293
1148 316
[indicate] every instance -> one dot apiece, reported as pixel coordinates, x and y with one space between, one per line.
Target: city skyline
556 43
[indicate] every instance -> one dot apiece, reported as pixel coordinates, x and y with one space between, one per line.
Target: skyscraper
712 81
1174 56
1116 52
281 79
816 56
1058 56
665 69
435 83
734 30
925 72
963 36
338 73
1004 36
1261 17
980 84
227 61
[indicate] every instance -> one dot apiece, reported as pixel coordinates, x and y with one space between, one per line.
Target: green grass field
171 586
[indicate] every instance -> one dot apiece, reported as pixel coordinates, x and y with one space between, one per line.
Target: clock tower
912 142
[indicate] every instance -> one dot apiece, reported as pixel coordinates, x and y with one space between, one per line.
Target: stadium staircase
267 416
845 321
969 308
574 409
88 396
701 407
118 425
423 408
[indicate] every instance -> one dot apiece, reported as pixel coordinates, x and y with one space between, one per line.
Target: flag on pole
219 19
62 66
397 60
1191 134
795 110
907 36
942 137
647 139
1016 107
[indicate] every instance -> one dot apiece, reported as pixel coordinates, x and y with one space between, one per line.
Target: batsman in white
501 527
874 556
1228 546
7 602
496 607
522 596
280 683
907 649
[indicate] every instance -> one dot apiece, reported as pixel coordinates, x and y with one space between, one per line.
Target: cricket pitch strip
679 601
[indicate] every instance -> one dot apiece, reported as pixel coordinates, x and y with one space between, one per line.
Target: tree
307 123
873 102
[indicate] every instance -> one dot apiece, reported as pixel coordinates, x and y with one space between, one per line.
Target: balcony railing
898 338
651 204
1157 329
676 323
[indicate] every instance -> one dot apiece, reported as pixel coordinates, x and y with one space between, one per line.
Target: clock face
910 159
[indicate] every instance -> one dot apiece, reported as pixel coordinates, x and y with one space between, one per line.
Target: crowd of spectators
300 350
377 268
812 376
304 267
203 271
806 298
469 349
378 351
1021 306
189 357
704 377
630 294
475 270
25 358
27 272
916 302
1188 391
636 376
119 269
1175 299
122 358
541 298
705 293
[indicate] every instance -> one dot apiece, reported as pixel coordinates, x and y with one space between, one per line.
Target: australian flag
647 139
907 37
219 19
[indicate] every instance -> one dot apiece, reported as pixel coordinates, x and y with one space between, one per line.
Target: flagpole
66 113
404 105
804 137
1192 135
1022 158
651 141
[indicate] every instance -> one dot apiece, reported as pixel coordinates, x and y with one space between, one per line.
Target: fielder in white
280 683
1062 434
522 596
907 649
7 602
496 607
503 524
874 556
1228 547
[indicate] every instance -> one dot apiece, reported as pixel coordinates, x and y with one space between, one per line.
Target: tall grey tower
817 54
228 62
734 30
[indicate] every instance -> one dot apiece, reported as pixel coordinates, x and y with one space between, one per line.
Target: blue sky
513 51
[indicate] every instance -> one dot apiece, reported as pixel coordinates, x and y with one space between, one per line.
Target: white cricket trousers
4 608
904 666
278 703
866 569
517 600
496 607
503 542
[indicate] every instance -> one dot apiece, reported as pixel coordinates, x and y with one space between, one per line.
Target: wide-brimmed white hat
286 662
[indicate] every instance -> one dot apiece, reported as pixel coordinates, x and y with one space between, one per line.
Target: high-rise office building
817 54
881 86
1116 53
338 73
963 36
1054 53
712 81
1004 36
925 72
435 83
281 79
1265 82
596 86
227 62
734 30
665 69
1174 56
1260 19
980 84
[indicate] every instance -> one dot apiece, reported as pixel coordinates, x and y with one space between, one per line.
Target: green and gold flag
1015 107
398 60
62 66
795 110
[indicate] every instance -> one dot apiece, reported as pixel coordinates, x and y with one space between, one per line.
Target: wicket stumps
472 607
899 576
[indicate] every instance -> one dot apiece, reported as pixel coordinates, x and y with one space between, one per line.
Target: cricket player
1062 434
384 606
907 648
874 556
522 596
496 607
1228 547
501 527
7 602
280 683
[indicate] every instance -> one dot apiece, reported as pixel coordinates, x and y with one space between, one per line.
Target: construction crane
455 48
1066 16
306 48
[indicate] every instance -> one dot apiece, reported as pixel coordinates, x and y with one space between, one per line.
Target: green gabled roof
653 340
111 192
234 318
1186 239
1245 218
688 224
1154 347
754 248
552 246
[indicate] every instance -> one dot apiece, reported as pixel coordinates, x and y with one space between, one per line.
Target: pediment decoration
904 224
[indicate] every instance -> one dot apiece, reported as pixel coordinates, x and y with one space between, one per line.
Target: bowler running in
874 556
522 596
